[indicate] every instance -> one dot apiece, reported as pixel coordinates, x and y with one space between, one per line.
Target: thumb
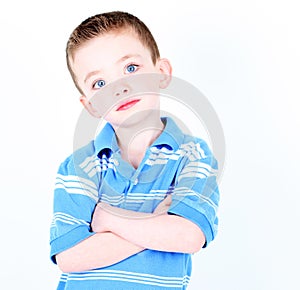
168 200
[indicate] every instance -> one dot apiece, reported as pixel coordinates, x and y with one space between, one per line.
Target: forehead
105 50
113 42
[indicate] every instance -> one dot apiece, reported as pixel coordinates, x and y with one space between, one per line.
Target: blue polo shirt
176 164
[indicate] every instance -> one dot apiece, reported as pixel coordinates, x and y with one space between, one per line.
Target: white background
243 55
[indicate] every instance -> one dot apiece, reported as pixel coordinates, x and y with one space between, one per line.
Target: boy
131 206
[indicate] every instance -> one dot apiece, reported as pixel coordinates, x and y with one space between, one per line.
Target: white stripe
182 189
76 178
197 169
156 161
161 155
92 165
163 149
75 190
71 184
53 224
188 192
70 218
195 150
191 150
146 196
200 175
113 200
189 169
201 164
131 198
87 161
93 172
63 277
159 190
67 219
132 280
100 168
202 153
125 276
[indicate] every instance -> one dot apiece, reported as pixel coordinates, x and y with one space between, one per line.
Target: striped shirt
176 164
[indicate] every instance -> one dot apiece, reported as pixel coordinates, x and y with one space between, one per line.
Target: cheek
151 101
144 83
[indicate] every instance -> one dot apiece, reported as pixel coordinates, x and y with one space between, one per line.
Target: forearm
163 232
97 251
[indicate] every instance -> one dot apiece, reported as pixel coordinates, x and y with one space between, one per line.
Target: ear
89 107
165 68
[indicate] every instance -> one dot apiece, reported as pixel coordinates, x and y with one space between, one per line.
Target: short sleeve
75 197
196 194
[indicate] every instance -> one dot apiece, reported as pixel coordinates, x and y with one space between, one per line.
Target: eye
131 68
99 84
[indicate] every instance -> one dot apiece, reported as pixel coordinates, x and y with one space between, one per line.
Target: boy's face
102 65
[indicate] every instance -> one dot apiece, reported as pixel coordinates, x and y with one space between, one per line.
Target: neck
135 136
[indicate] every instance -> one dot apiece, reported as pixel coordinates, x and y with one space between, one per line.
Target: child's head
105 23
107 48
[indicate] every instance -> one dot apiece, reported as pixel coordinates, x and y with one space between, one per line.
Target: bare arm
106 247
97 251
161 232
102 249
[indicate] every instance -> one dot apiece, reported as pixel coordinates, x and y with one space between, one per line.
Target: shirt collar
106 139
171 136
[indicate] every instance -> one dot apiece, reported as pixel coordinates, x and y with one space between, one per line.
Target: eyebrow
123 58
90 74
128 56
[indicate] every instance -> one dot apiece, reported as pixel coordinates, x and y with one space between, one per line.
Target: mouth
127 105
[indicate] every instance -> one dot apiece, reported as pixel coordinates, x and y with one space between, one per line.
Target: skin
135 132
119 233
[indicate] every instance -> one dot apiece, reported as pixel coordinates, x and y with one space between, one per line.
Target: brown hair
104 23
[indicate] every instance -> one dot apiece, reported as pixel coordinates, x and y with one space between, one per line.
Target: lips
127 105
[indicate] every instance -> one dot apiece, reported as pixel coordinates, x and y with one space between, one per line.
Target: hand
164 205
101 218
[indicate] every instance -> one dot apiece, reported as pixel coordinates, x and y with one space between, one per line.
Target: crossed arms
121 233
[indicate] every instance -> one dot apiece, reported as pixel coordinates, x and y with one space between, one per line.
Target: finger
168 200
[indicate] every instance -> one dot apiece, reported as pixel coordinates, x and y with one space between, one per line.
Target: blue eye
99 84
131 68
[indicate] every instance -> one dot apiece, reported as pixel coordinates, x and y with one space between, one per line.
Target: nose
121 88
120 91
